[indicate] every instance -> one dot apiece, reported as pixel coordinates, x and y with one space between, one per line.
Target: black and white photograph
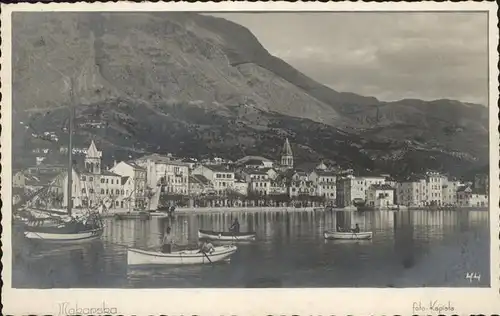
251 149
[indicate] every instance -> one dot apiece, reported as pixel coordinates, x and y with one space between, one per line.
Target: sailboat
67 228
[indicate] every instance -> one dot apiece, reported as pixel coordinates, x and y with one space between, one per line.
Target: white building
171 175
353 190
469 197
450 189
258 181
137 177
380 196
423 191
241 187
434 191
411 192
299 187
220 176
326 183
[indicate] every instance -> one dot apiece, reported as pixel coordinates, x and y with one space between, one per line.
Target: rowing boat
64 237
225 236
348 235
144 257
144 216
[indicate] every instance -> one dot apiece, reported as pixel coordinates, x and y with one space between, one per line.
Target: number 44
473 276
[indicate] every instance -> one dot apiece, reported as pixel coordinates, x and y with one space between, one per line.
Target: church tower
93 159
287 155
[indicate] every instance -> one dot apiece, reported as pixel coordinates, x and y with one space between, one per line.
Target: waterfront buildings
222 177
325 182
131 184
137 176
352 190
171 175
380 196
469 197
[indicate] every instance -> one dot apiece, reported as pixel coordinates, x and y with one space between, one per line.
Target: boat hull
187 257
142 216
54 237
225 236
348 235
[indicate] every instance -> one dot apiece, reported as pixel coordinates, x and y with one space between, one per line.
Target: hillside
198 85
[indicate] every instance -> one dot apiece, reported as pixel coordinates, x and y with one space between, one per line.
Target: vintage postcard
250 158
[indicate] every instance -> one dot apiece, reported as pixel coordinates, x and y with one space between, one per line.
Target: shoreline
214 210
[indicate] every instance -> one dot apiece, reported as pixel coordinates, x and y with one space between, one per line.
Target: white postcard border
251 301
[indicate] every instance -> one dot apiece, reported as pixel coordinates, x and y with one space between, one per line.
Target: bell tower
287 155
93 159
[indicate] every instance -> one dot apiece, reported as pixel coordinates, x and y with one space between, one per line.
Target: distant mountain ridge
184 67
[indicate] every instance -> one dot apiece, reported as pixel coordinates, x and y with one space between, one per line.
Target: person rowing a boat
356 229
167 242
235 228
207 247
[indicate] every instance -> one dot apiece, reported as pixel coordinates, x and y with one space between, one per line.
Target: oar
208 258
234 236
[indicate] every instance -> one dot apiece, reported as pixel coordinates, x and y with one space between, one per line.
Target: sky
390 56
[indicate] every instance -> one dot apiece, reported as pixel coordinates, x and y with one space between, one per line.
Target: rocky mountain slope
193 84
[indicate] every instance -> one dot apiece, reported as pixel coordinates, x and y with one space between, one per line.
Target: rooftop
245 159
219 168
325 173
109 173
124 180
381 187
198 178
135 166
254 171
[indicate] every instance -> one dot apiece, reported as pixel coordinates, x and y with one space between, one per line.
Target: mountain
195 85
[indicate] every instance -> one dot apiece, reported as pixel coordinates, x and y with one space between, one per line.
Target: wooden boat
144 216
83 230
58 236
72 226
225 236
144 257
348 235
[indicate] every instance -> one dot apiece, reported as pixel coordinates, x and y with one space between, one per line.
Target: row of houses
132 184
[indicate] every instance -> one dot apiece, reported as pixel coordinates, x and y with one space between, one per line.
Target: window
91 179
107 180
102 191
102 180
83 178
107 191
112 181
123 191
117 203
117 191
91 190
83 190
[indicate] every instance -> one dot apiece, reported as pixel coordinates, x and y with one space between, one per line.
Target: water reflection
409 248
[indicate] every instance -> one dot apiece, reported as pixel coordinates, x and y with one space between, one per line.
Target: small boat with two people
193 256
350 234
206 254
233 234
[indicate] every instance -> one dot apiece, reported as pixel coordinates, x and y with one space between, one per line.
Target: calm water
409 249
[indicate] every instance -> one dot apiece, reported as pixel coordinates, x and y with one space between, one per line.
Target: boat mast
70 149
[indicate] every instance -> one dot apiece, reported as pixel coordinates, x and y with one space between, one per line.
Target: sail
155 199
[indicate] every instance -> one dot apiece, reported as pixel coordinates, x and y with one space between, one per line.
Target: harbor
408 248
